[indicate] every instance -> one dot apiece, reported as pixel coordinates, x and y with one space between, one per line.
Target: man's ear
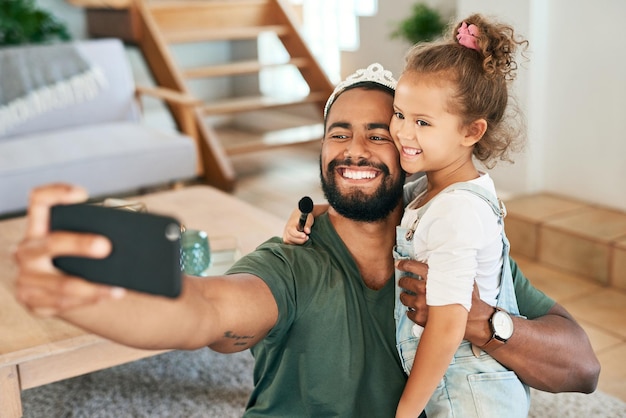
475 132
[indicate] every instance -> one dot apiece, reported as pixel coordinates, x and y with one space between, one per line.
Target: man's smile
358 173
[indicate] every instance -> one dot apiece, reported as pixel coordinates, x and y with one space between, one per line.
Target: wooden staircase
160 26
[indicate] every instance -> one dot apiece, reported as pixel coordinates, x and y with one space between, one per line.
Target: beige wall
574 94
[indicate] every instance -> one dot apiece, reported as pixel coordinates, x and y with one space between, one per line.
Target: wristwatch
501 326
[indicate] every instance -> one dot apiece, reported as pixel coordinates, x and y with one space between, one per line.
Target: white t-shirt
460 239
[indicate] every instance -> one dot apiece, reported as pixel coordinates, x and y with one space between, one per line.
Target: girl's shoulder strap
491 199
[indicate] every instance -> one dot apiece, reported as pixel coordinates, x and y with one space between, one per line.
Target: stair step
570 235
169 5
208 34
237 142
246 104
239 68
194 21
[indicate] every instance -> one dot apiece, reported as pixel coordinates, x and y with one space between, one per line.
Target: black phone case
146 248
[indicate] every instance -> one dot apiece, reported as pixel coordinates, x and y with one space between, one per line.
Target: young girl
449 108
450 105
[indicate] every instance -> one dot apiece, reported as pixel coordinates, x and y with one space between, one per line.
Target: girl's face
428 137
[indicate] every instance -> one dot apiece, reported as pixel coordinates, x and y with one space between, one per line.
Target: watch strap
492 345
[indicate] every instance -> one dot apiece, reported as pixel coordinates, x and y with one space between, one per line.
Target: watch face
502 325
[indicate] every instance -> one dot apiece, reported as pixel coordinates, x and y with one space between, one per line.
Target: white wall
584 128
574 95
376 42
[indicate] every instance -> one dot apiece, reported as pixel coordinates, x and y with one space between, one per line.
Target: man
318 318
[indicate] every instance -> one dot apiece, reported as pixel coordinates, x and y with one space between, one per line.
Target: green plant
424 24
21 22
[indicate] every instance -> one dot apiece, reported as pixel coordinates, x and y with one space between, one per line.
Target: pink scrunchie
468 36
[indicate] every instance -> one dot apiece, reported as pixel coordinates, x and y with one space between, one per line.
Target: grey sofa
99 142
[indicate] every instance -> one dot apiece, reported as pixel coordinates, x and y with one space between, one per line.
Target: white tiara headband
375 73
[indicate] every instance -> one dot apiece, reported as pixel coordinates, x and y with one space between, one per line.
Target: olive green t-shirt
332 351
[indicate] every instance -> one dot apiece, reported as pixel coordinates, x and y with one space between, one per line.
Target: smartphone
146 248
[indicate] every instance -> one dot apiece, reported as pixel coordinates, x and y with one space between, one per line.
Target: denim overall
473 386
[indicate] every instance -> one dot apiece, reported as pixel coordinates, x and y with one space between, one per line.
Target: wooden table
36 351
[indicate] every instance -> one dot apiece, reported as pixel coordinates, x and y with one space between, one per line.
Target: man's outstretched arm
550 353
208 311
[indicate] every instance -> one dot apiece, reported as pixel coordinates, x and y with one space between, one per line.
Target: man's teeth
358 174
412 151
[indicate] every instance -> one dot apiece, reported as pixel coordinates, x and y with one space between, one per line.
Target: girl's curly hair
481 78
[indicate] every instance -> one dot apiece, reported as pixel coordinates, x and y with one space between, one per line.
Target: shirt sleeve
271 262
294 274
532 303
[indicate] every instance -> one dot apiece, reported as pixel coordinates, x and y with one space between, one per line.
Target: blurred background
572 89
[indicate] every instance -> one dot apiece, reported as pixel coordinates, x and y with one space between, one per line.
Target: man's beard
357 205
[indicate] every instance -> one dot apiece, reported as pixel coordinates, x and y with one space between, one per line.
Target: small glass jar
195 252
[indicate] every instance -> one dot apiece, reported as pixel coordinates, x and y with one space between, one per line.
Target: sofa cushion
106 159
114 102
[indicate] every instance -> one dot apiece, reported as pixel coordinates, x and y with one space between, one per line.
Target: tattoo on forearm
238 339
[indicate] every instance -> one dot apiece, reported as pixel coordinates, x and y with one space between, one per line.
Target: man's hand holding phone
42 287
46 285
